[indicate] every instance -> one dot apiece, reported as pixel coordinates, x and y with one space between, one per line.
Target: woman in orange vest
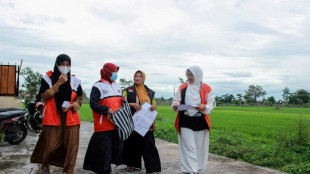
105 147
193 123
136 145
58 143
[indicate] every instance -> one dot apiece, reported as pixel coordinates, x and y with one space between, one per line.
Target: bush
166 131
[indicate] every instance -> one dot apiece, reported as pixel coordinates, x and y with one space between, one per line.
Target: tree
271 100
85 98
292 99
254 92
239 97
286 94
125 83
181 80
32 81
228 98
301 96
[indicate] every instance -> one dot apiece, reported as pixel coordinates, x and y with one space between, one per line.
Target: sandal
130 169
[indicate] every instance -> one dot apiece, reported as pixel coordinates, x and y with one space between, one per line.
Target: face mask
64 69
114 76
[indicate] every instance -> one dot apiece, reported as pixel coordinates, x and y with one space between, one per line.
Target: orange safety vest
50 114
111 96
204 92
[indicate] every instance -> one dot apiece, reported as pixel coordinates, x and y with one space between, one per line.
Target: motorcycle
13 125
35 116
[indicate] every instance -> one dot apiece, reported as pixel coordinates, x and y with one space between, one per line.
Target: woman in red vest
105 147
193 123
58 143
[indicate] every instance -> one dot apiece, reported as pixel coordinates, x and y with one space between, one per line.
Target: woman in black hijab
59 141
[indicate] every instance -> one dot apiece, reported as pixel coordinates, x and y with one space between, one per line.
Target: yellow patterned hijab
141 90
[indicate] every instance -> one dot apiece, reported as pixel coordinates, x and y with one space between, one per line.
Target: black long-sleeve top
94 102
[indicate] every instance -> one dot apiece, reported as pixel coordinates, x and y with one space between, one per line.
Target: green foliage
85 113
85 98
181 80
1 138
301 168
301 96
286 93
125 83
271 100
227 98
253 93
166 131
32 82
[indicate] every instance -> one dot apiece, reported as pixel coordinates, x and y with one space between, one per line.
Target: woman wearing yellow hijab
136 145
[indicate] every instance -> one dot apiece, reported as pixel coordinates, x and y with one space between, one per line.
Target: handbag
122 119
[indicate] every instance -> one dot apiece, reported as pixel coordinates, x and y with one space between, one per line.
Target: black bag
122 119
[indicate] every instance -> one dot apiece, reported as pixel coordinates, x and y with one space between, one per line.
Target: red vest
204 91
50 114
111 96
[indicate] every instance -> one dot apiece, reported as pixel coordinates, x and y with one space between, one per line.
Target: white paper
65 104
143 119
183 107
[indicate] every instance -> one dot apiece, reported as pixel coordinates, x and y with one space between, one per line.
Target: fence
8 84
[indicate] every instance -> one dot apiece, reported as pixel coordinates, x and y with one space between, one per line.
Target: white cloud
237 43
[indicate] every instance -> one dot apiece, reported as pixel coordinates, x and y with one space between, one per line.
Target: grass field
275 137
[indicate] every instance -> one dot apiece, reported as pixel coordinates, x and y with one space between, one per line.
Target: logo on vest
105 91
130 90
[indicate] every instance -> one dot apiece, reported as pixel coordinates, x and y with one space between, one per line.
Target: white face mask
64 69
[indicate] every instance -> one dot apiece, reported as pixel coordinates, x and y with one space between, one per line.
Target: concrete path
15 159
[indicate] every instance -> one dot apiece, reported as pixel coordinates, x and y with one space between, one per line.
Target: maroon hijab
106 71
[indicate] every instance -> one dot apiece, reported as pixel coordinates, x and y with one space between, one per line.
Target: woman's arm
95 105
211 103
77 102
176 100
47 93
154 106
136 106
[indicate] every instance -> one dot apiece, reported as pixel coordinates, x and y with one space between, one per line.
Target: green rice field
275 137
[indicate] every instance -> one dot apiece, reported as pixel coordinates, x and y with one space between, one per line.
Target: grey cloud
239 74
251 27
10 4
41 19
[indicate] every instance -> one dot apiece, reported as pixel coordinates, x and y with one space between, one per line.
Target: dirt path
15 159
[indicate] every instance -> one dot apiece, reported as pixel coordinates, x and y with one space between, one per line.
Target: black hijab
64 93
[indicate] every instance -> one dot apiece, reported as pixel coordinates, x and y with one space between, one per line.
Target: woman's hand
136 106
62 79
69 107
124 99
153 107
110 112
201 107
175 106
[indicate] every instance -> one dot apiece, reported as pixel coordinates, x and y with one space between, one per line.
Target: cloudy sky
237 43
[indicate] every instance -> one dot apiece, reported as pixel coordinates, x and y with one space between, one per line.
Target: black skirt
136 147
104 149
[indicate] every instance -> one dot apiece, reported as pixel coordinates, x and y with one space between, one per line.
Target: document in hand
183 107
143 119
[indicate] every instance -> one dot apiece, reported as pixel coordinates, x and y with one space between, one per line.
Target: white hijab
192 95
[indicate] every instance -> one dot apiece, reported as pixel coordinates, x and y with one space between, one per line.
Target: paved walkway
15 159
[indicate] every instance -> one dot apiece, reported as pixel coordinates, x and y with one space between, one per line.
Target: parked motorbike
13 125
35 116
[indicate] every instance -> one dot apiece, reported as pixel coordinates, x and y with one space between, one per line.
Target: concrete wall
10 102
